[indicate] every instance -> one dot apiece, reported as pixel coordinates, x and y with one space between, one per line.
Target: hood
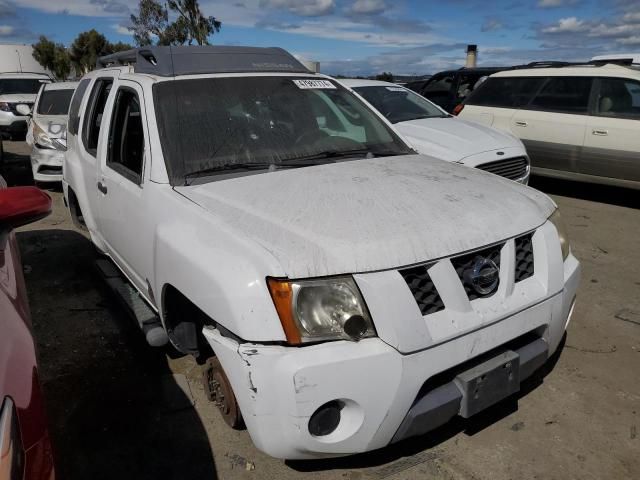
371 214
453 139
18 98
54 125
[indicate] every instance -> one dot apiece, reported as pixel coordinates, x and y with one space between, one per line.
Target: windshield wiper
336 154
227 167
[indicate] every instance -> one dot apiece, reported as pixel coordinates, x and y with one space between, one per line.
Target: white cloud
121 29
6 30
556 3
91 8
567 25
368 7
307 8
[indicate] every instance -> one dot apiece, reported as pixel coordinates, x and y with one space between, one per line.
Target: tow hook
219 391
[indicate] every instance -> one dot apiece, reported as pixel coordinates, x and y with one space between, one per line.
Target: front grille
12 107
464 265
511 168
524 257
423 289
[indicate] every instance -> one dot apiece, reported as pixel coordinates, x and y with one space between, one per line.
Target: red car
25 449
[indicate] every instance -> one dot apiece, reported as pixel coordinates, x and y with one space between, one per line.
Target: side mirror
23 109
22 205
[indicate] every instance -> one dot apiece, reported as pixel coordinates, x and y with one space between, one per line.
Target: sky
364 37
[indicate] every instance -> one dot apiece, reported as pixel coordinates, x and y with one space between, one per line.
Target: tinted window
126 136
564 94
618 97
93 113
55 102
74 109
466 84
222 123
505 92
10 86
399 104
440 84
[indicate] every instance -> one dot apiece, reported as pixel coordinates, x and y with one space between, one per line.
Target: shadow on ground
425 445
115 408
624 197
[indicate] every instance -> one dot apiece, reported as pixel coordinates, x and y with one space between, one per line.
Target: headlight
40 137
324 309
562 233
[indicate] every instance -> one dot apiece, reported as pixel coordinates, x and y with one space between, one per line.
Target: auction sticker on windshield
314 84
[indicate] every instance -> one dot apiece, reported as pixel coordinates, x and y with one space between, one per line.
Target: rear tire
219 391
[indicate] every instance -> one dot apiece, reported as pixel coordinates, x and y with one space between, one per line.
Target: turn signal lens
562 233
458 108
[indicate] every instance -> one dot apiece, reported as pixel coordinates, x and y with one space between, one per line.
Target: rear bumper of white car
46 164
383 395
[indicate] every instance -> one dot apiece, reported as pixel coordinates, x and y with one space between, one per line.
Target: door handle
102 187
521 124
600 132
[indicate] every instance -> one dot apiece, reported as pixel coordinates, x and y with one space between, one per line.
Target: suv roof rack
624 62
171 61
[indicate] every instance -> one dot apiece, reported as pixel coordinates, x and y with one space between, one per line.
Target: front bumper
279 388
46 164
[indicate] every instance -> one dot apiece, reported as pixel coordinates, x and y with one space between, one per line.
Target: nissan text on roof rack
432 131
579 121
269 222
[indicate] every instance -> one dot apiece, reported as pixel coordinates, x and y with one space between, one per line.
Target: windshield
55 102
399 104
10 86
213 124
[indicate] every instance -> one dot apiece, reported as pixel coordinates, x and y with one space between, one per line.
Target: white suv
17 89
343 292
579 122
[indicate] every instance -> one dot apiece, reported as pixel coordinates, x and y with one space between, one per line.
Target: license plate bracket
488 383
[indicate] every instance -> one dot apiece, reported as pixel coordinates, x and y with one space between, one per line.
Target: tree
385 77
86 49
190 24
52 56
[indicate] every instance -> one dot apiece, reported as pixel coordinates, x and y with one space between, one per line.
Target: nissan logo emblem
484 275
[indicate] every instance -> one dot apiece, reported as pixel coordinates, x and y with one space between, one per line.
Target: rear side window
93 114
74 109
564 95
126 136
618 97
505 92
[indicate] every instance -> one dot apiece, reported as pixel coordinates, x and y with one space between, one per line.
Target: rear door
552 126
612 143
124 218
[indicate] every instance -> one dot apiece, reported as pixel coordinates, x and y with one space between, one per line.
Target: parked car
432 131
17 89
47 130
449 88
631 58
276 227
25 449
578 122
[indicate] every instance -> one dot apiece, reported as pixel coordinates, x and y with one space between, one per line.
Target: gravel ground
119 409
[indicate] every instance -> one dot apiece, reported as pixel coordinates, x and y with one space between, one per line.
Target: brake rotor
220 392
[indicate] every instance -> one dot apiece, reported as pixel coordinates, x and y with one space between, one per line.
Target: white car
47 130
17 89
580 122
432 131
343 292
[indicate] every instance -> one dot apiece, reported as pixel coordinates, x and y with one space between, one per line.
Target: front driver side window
126 137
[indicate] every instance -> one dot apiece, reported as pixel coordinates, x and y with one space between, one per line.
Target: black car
449 88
